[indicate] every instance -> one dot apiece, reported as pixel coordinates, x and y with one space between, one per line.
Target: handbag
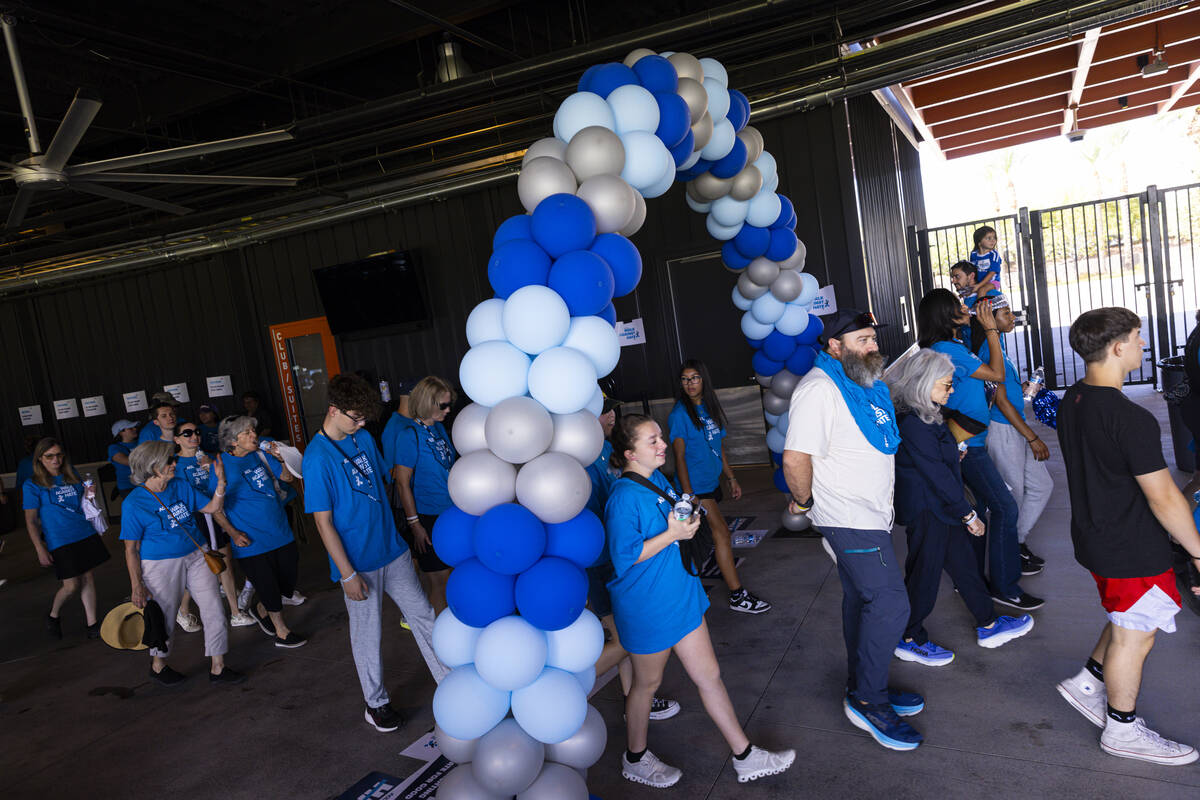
695 551
215 560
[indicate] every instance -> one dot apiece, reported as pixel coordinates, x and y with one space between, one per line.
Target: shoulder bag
695 551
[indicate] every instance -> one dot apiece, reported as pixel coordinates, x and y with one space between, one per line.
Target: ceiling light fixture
450 63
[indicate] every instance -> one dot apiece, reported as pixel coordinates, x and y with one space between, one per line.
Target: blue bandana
871 408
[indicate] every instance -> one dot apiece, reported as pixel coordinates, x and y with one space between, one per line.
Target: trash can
1173 375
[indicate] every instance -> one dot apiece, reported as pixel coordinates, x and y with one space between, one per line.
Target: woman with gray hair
164 554
931 504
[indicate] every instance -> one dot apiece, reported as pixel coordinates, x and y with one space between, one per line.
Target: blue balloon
454 536
682 151
551 594
517 263
579 540
608 77
764 365
732 163
466 707
588 76
657 74
786 212
584 281
752 241
812 332
509 539
783 244
780 481
562 223
755 343
674 119
608 314
515 227
702 165
799 363
739 110
778 347
777 459
791 223
732 258
623 259
478 596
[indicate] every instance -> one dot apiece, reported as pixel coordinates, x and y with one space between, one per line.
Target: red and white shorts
1141 604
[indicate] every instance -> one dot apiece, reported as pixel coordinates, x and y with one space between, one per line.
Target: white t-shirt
852 482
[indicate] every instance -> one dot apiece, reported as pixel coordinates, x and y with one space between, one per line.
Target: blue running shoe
905 704
883 724
1004 630
929 654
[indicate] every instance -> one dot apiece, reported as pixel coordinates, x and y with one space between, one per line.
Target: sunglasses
189 433
443 406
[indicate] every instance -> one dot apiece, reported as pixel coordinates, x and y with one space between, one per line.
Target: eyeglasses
443 406
946 384
357 419
52 456
691 379
189 433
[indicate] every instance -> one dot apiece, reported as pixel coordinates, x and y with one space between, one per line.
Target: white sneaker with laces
1087 696
651 771
1135 740
189 622
241 619
244 595
662 708
295 600
761 763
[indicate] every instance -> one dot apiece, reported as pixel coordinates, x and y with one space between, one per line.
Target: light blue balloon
535 318
721 142
634 109
483 323
722 232
730 211
718 98
775 440
770 418
713 69
596 404
552 708
466 707
697 205
763 209
582 110
742 302
494 371
646 159
691 161
769 169
510 653
767 309
809 291
597 340
562 379
753 328
794 320
453 640
587 679
782 422
663 186
771 184
577 646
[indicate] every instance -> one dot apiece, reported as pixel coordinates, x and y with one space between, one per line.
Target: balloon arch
517 636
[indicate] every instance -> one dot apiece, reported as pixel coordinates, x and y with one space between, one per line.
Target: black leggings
273 574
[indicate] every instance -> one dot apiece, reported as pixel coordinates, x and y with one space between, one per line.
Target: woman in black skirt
61 535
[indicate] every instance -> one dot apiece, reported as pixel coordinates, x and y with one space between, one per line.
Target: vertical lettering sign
291 404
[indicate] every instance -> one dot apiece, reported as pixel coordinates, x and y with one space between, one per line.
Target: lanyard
350 461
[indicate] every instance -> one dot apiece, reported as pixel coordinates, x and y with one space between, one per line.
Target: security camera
1075 135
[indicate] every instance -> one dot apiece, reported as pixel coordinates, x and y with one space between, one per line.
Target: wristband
803 505
414 518
219 493
1034 439
349 577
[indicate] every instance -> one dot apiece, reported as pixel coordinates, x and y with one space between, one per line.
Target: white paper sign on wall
825 302
178 391
134 401
220 386
66 409
30 415
632 332
94 406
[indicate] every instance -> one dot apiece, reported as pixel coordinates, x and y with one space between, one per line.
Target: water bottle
385 391
683 509
1036 382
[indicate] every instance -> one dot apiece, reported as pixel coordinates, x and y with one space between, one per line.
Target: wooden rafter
1087 49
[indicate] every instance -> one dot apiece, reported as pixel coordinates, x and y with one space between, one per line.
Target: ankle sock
633 757
744 754
1122 716
1096 668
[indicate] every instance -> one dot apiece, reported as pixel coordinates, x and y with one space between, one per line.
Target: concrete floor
80 719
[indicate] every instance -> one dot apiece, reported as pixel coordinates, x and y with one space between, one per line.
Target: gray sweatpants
1027 478
167 578
398 579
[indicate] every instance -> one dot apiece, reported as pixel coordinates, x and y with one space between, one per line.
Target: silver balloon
585 747
796 522
710 187
796 259
696 96
467 432
542 177
762 271
763 380
637 54
702 130
687 65
749 289
578 435
753 140
507 759
774 404
551 147
518 429
746 183
553 486
595 150
783 384
639 215
694 193
460 751
611 200
480 480
460 784
556 782
787 286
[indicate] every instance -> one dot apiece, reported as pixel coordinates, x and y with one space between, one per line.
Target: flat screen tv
380 291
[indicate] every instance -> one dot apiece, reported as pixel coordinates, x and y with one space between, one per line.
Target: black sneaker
662 708
385 718
54 626
1024 601
1026 553
293 639
168 676
93 630
1030 567
226 677
264 622
744 601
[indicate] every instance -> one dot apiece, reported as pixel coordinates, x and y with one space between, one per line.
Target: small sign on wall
66 409
94 406
30 415
134 401
178 391
825 302
220 386
632 332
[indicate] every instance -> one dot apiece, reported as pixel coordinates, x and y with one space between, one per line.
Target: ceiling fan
48 170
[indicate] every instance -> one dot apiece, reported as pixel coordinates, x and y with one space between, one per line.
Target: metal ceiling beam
461 33
1087 49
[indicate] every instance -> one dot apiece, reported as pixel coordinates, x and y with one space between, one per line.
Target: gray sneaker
1137 741
651 771
761 763
1087 696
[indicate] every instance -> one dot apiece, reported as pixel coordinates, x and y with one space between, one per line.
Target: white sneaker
1087 695
189 622
762 762
1135 740
244 595
651 771
241 619
295 600
661 708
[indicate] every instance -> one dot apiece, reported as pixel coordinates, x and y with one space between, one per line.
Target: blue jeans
1004 551
874 607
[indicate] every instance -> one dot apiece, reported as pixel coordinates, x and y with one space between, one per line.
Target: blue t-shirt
427 451
1012 387
24 471
397 425
656 602
59 510
165 532
970 396
603 477
987 266
123 471
350 482
152 433
702 447
202 478
252 504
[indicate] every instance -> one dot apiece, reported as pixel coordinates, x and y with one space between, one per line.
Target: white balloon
597 340
721 232
483 323
718 98
729 211
721 142
549 147
764 210
739 300
562 379
698 206
582 110
634 109
535 318
713 69
468 431
494 371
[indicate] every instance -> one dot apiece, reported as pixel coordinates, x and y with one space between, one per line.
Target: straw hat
122 627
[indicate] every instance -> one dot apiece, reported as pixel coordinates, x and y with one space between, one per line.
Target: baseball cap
847 320
164 397
120 425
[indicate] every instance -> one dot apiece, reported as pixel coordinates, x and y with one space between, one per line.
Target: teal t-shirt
969 396
702 447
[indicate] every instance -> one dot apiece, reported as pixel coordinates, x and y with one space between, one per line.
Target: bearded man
839 462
